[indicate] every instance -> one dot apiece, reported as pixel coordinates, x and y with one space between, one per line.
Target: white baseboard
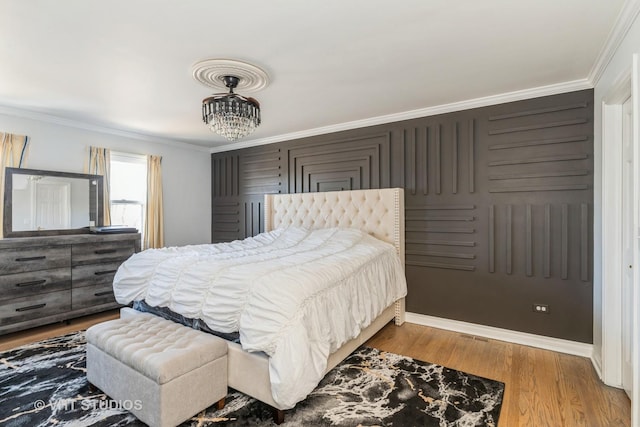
597 365
523 338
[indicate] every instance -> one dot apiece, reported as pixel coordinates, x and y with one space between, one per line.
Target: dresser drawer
91 253
94 274
32 259
35 282
90 296
28 308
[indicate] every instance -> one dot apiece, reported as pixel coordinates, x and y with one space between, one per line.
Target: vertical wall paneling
528 241
565 241
426 169
384 155
223 176
508 240
406 164
547 241
584 242
454 162
414 161
492 239
223 170
218 181
471 158
253 218
410 138
438 158
236 177
248 225
230 173
497 202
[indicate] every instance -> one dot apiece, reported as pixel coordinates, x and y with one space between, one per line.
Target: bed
378 213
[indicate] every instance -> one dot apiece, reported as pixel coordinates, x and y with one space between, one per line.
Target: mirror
46 203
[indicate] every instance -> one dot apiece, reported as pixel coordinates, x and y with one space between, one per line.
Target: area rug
44 384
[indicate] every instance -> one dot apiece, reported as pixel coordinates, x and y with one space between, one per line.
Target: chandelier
229 114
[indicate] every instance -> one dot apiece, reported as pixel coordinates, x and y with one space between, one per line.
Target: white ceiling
126 64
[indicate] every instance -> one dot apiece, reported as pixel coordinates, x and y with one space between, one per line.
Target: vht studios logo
63 405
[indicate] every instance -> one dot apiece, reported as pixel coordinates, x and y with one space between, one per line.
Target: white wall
186 171
619 65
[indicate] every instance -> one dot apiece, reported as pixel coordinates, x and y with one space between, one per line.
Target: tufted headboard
378 212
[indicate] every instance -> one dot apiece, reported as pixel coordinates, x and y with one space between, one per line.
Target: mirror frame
96 211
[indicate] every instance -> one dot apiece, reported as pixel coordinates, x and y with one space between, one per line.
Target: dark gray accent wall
499 205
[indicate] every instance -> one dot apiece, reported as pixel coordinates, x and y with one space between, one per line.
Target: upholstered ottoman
163 372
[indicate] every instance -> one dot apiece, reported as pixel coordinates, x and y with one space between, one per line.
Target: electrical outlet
541 308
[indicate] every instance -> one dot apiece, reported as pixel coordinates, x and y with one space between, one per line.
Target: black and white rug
44 384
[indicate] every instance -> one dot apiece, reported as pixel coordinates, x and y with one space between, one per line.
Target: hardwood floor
542 388
17 339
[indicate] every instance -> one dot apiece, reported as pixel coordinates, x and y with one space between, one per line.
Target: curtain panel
154 223
13 154
99 163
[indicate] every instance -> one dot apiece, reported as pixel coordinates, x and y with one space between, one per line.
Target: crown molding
92 127
624 21
414 114
519 95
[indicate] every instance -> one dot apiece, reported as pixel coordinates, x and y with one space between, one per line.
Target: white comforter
295 294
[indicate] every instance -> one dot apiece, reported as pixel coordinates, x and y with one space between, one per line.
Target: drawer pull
104 251
33 283
31 307
102 273
101 294
31 258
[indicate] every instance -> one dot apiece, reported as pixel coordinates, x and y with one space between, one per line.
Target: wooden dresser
49 279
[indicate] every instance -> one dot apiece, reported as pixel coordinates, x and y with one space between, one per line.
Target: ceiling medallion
229 114
211 73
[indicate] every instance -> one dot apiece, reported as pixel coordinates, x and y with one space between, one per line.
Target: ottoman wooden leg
220 404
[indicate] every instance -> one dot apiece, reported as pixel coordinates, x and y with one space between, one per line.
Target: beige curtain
13 154
99 163
154 223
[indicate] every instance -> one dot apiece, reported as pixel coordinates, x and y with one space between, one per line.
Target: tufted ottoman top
159 349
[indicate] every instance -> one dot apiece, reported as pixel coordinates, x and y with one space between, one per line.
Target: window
128 189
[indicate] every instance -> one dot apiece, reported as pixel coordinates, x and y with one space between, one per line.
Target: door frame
635 99
611 351
611 357
629 242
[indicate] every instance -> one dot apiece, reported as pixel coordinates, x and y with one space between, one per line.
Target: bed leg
220 404
399 312
92 388
278 416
